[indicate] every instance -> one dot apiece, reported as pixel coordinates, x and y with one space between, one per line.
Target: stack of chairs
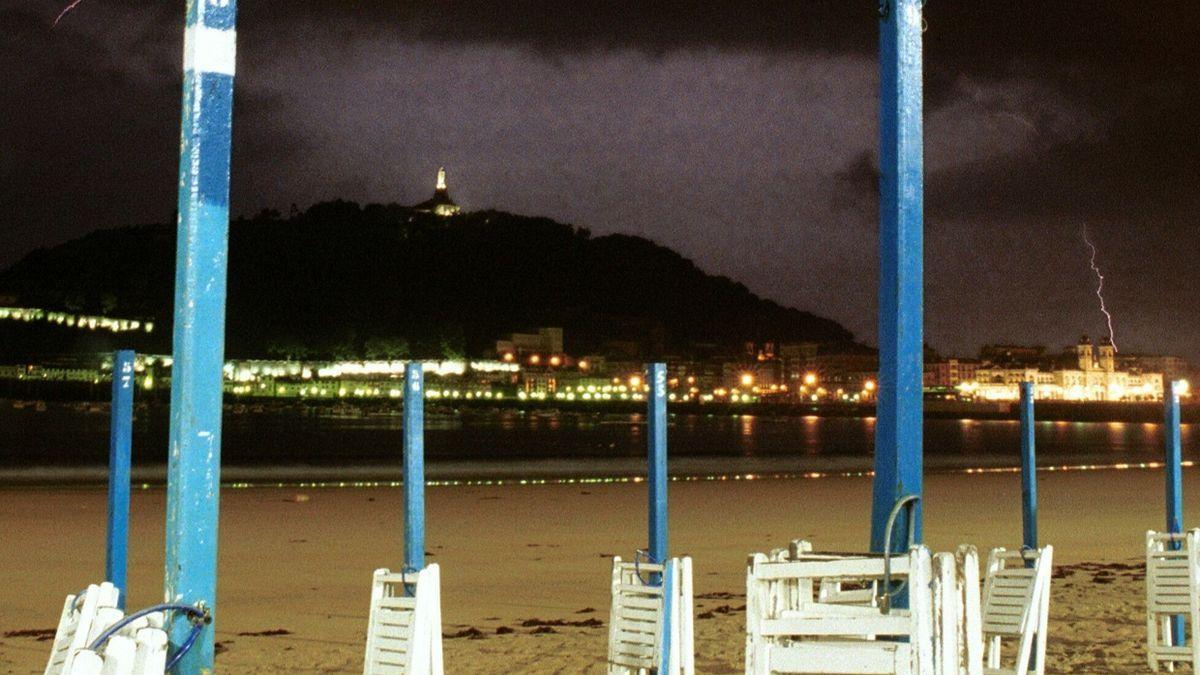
404 636
643 638
828 612
1172 590
810 613
139 648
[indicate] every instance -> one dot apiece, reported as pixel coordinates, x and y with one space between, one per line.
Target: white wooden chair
404 636
971 634
139 648
1016 604
636 636
791 629
1172 589
832 591
947 614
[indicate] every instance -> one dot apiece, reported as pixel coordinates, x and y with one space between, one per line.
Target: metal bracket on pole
898 433
194 456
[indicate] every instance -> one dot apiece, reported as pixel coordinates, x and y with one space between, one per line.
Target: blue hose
638 555
183 648
198 617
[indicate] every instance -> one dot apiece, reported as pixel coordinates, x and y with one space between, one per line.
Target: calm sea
514 444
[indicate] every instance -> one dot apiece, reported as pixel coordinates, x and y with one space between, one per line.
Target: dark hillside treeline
340 280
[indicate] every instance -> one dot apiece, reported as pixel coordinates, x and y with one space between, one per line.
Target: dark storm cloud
742 134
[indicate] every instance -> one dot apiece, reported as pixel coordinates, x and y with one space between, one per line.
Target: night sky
742 135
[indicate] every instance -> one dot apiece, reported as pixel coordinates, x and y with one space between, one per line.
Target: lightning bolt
63 13
1100 290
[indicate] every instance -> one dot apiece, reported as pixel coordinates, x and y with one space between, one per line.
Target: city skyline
748 149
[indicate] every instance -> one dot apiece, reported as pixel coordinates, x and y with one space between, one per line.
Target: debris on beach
39 634
266 633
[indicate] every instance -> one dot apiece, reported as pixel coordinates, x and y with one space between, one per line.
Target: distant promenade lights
82 321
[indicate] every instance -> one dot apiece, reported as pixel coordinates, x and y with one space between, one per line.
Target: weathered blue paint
120 442
664 650
898 452
1029 533
1174 458
414 467
656 424
1173 463
194 458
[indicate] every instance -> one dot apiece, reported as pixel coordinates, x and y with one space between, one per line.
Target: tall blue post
194 458
898 453
1173 462
414 467
656 419
1029 538
656 423
120 442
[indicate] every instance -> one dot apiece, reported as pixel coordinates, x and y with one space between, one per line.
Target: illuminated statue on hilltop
441 204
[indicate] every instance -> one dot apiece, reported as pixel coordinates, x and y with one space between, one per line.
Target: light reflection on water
532 443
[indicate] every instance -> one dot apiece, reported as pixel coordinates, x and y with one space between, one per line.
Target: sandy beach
525 567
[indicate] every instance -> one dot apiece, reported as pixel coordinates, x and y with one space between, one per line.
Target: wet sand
295 574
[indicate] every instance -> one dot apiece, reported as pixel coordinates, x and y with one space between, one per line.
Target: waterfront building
949 373
1090 375
545 342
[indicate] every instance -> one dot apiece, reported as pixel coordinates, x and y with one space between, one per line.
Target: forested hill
387 281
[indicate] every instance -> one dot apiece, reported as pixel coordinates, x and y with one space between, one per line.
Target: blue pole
656 419
1174 480
1029 533
120 439
414 467
656 425
194 458
898 454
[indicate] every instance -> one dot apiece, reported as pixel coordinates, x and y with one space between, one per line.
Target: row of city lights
83 321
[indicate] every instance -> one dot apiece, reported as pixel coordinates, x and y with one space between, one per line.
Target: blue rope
198 617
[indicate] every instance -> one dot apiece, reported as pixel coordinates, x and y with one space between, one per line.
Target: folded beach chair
1172 589
138 648
791 628
642 638
404 636
1016 603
